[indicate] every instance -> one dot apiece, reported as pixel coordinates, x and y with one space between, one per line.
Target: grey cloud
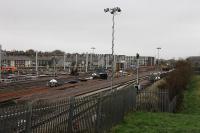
77 25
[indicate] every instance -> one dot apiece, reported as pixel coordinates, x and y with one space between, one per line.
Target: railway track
66 90
80 89
31 83
40 82
116 86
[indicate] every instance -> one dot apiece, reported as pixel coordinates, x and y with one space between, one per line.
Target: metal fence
155 101
96 113
89 114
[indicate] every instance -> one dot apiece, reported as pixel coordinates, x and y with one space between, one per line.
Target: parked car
154 77
53 83
100 74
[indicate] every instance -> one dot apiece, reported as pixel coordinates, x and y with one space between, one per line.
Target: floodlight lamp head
118 9
106 10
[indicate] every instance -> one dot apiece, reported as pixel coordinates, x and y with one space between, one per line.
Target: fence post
29 118
98 120
169 102
173 104
134 97
70 118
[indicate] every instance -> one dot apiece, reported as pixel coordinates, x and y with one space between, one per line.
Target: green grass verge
187 121
191 99
143 122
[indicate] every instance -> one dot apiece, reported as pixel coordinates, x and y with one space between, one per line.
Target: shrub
177 80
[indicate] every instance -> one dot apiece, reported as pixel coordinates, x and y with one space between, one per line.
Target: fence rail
155 101
96 113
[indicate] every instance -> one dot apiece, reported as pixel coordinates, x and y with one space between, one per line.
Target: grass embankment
186 121
191 99
141 122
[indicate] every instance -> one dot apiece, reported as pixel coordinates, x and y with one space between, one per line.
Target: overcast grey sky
78 25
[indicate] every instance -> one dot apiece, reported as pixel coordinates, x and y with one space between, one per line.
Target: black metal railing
96 113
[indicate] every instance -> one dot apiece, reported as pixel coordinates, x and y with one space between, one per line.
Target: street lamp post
54 66
114 12
107 61
86 63
64 61
159 48
91 62
76 60
36 62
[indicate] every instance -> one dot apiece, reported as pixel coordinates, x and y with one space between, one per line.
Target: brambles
177 80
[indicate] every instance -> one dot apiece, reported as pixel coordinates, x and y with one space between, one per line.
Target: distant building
68 61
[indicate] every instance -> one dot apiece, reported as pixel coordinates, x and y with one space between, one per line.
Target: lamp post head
118 9
112 10
159 48
106 10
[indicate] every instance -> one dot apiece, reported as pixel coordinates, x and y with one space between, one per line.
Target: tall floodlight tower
114 11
